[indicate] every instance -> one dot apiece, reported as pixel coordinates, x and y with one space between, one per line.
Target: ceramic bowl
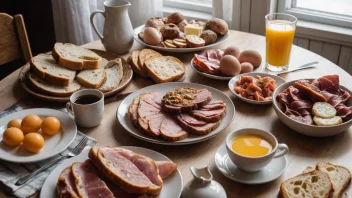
232 83
310 130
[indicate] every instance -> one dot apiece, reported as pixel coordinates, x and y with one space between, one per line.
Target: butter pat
193 29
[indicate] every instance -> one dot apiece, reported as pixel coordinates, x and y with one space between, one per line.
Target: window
193 5
331 12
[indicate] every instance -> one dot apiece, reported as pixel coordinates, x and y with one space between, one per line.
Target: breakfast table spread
303 150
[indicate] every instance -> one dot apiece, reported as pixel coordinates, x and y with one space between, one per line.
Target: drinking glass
280 30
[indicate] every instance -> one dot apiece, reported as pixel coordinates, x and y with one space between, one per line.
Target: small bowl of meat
255 88
314 107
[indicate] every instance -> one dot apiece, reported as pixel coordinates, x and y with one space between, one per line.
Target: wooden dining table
303 150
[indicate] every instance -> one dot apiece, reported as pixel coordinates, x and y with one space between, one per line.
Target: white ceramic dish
53 145
126 122
310 130
172 186
232 83
212 75
140 28
269 173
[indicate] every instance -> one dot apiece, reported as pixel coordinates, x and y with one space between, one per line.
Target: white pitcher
118 31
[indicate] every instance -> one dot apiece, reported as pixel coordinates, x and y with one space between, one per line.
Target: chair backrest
14 42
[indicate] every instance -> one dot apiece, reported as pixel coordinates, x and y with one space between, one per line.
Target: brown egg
246 67
251 56
232 50
152 36
230 66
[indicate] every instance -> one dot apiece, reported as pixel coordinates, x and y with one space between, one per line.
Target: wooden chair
14 42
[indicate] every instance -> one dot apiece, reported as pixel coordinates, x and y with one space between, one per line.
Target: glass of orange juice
280 30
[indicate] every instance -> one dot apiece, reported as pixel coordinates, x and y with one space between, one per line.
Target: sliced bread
165 69
339 176
47 88
103 62
114 73
75 57
133 62
313 184
308 169
142 57
92 78
46 68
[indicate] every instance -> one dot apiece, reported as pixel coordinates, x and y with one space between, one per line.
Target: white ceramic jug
118 31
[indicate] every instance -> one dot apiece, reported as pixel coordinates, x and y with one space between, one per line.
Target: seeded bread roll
175 18
181 25
155 22
209 37
217 25
170 31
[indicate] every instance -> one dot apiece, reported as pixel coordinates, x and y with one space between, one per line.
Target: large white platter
140 28
53 145
172 186
126 122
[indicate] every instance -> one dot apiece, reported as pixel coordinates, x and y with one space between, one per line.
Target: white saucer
269 173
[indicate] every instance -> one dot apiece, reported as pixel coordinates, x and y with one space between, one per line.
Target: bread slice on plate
47 88
114 73
165 69
313 184
75 57
92 78
327 121
308 169
46 68
339 176
142 55
103 62
133 61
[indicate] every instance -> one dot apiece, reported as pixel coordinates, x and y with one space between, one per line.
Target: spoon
305 66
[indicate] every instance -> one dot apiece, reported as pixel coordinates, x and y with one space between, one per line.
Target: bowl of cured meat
255 88
314 107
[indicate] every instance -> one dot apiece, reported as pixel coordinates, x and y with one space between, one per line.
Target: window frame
188 5
285 6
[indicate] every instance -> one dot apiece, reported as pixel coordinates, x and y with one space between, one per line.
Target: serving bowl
310 130
279 81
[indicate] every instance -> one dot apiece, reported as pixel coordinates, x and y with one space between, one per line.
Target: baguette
46 68
75 57
47 88
165 69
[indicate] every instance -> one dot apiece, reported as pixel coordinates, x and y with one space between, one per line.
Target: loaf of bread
47 88
92 78
165 69
46 68
75 57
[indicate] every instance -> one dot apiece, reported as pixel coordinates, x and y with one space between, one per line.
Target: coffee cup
87 107
249 162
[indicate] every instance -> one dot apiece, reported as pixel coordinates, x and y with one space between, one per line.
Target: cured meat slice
88 181
66 186
209 115
190 120
151 99
166 168
170 130
123 172
199 130
155 124
132 110
185 99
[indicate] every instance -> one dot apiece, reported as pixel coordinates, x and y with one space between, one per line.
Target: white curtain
71 18
229 10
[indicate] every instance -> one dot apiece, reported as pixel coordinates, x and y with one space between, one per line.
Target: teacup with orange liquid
280 31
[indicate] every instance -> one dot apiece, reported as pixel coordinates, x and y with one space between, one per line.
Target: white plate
126 122
172 186
212 75
140 28
53 145
269 173
279 81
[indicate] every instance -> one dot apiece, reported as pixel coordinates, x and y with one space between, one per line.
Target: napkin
11 172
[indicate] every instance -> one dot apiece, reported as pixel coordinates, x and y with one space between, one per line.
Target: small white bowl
310 130
232 84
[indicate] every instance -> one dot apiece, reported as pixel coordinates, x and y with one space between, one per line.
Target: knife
305 66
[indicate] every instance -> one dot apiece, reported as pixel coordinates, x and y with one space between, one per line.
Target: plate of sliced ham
176 113
297 104
115 172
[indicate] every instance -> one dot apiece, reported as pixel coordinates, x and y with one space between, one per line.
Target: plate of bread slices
325 180
115 172
68 68
148 63
176 34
